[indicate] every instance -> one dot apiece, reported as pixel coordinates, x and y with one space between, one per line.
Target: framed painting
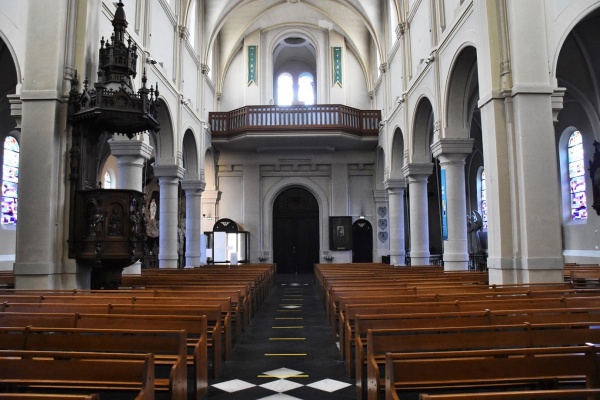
340 233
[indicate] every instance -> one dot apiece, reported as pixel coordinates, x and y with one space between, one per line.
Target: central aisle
287 352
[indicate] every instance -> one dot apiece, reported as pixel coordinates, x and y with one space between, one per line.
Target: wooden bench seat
194 326
489 369
518 395
168 347
78 371
47 396
218 323
348 315
382 341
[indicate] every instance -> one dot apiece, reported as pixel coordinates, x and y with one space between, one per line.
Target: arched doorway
362 241
295 231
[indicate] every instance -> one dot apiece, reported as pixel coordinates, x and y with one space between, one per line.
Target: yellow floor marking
288 327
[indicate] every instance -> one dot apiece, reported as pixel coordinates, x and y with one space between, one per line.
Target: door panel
295 232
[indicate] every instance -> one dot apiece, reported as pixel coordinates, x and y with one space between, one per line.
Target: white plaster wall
271 173
420 35
233 82
355 83
231 205
360 192
189 80
451 9
161 37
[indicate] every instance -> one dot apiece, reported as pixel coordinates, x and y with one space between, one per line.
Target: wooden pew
382 341
168 347
83 372
194 326
518 395
47 396
489 369
348 316
7 279
218 322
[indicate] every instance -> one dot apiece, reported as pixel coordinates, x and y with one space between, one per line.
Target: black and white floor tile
287 352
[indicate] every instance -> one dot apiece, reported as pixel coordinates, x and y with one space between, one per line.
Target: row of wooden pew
424 331
163 338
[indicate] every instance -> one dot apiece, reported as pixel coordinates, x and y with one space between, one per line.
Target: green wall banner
337 66
252 50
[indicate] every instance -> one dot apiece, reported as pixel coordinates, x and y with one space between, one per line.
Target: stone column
168 181
131 155
193 193
452 154
41 236
417 175
395 190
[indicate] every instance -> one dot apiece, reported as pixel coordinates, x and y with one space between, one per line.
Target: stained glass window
483 205
10 181
577 176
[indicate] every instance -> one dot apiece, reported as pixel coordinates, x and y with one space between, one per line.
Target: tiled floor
287 351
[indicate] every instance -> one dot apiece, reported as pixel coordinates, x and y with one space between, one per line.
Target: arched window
10 180
576 162
285 89
107 184
306 93
483 210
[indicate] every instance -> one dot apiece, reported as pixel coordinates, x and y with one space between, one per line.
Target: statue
474 225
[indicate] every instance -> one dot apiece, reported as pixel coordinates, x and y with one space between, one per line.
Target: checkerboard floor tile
286 352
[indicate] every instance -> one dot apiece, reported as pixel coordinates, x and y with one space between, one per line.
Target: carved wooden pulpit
106 231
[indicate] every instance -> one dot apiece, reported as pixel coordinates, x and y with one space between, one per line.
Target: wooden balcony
330 125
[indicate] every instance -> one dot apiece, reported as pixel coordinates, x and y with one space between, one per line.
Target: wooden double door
295 231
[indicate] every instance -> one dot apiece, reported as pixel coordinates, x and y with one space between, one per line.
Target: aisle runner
291 335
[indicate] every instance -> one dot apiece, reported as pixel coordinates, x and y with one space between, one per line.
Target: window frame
16 136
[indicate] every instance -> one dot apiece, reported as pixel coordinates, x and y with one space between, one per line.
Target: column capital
168 171
211 195
379 195
417 170
390 184
448 146
193 185
137 148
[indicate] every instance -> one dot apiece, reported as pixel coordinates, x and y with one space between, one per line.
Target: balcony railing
326 117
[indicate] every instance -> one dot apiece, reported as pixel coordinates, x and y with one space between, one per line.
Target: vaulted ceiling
360 22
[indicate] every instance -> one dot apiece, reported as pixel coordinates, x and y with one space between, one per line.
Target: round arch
189 151
164 140
422 131
461 90
397 156
266 239
566 22
210 176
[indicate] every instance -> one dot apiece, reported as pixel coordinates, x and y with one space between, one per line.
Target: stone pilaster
417 175
395 190
452 154
168 180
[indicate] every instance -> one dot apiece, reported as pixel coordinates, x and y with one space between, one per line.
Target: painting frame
340 233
